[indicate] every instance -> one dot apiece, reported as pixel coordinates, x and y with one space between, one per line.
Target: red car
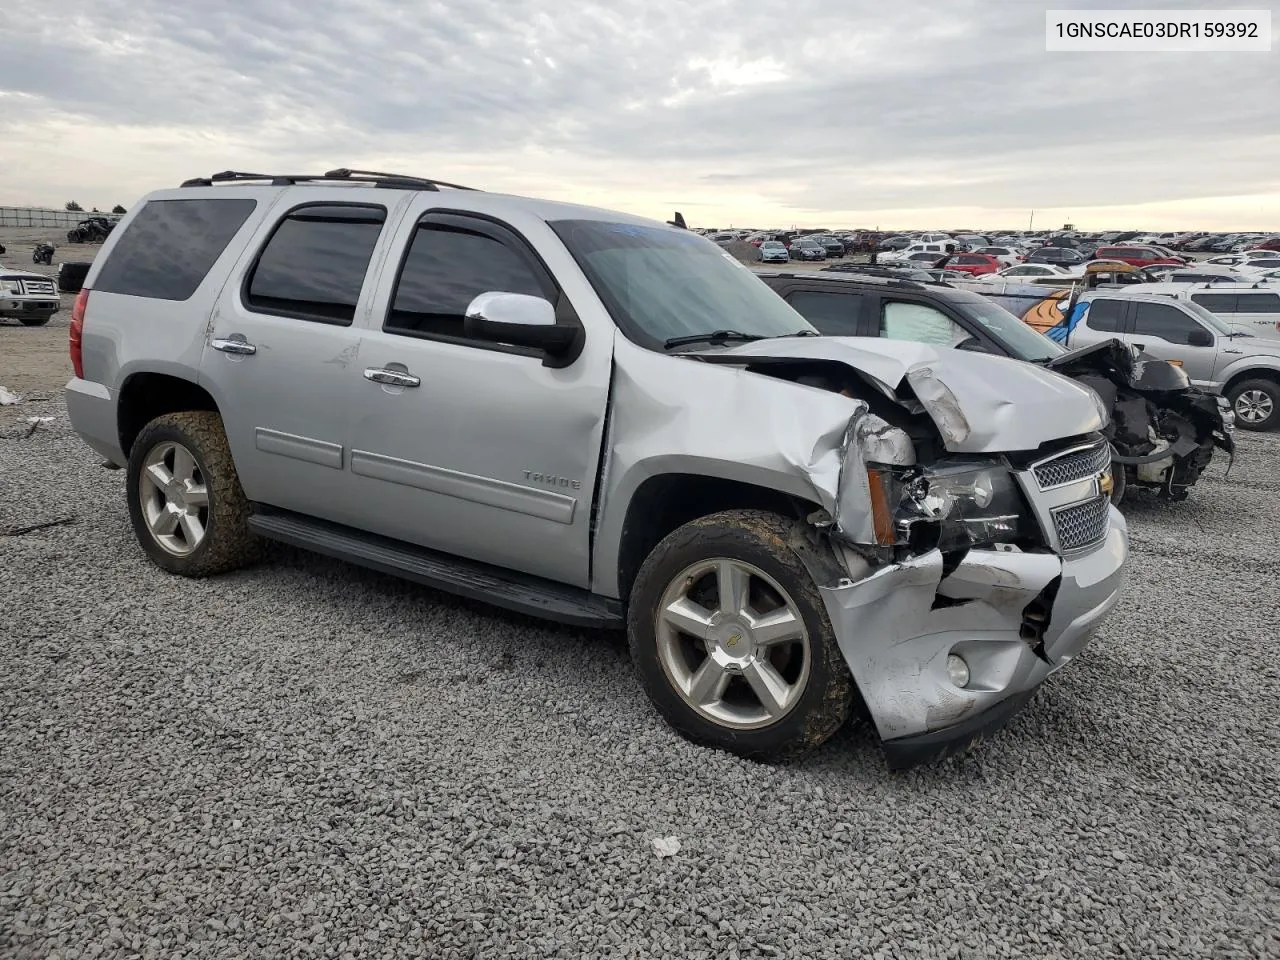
1137 256
974 264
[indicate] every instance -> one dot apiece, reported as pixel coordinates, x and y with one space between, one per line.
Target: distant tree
74 207
96 210
118 209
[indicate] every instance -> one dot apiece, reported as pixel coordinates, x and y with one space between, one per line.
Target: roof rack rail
391 180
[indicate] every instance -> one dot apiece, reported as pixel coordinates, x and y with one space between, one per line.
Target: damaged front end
972 579
1163 429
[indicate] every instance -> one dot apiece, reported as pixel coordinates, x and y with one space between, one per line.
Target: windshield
661 283
1210 320
1019 339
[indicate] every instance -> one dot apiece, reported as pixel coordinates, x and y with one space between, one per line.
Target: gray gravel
306 759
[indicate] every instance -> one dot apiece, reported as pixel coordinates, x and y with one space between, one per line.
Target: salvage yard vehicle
1162 429
1218 357
604 421
29 298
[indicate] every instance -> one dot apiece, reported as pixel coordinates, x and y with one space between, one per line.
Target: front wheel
188 510
732 641
1255 403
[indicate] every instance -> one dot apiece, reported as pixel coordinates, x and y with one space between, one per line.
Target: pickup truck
29 298
1166 322
605 421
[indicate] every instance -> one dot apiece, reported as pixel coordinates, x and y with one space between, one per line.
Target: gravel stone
305 759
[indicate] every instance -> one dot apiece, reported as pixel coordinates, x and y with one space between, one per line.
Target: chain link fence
46 217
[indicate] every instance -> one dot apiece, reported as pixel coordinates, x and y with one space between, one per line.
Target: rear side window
834 314
446 268
170 245
1216 302
1105 316
314 263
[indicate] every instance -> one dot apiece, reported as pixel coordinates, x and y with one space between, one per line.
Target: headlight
950 505
10 286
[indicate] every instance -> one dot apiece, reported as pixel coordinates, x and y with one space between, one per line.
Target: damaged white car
604 421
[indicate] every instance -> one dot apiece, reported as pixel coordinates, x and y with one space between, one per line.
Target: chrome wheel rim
733 644
1254 406
174 498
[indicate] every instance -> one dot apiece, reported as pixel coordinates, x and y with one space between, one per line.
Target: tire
33 321
226 543
1257 399
684 567
1119 483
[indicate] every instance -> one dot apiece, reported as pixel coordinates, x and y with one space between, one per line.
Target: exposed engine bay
1163 430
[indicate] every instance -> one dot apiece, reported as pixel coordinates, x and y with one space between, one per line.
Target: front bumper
1015 618
28 308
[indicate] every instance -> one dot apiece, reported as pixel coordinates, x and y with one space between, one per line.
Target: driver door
1167 332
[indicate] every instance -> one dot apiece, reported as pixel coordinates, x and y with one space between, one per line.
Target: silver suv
604 421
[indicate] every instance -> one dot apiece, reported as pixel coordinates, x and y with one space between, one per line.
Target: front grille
1073 466
1082 524
38 287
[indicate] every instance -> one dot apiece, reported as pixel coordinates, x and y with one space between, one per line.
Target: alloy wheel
1254 406
174 497
732 643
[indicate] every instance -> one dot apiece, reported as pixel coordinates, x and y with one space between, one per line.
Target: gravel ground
305 759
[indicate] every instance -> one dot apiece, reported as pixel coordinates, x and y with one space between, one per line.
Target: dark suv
1144 399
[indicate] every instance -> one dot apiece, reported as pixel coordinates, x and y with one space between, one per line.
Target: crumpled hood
980 403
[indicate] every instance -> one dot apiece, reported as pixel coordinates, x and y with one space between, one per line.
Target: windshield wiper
714 337
803 333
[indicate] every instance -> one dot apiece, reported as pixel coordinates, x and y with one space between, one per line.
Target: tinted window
1105 316
447 267
1168 323
834 314
1258 303
167 249
1216 302
920 323
1265 262
313 265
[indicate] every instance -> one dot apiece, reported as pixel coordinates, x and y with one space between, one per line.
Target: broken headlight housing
949 505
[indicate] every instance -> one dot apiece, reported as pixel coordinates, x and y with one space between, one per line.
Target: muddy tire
732 641
1256 404
188 511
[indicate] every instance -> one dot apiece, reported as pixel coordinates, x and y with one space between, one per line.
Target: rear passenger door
1257 313
282 348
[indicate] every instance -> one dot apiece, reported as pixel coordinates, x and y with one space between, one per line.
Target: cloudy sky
844 113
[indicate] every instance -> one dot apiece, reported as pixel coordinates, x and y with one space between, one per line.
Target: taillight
77 331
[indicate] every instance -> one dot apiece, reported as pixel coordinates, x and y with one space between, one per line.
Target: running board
466 578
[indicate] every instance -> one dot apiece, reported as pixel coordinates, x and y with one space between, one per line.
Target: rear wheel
1255 403
188 510
732 641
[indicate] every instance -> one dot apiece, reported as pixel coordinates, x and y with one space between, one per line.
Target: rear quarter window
170 245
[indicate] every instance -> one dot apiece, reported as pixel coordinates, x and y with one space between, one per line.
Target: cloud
800 113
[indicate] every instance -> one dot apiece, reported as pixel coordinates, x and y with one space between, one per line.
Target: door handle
239 347
395 378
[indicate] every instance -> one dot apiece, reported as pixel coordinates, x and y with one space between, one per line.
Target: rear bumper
898 627
92 411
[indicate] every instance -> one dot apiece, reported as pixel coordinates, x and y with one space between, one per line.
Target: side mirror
1199 337
518 319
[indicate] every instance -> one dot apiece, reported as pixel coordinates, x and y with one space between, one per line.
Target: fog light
958 670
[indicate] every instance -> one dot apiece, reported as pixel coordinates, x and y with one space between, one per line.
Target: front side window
660 283
919 323
314 264
448 266
170 245
1258 303
1166 322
